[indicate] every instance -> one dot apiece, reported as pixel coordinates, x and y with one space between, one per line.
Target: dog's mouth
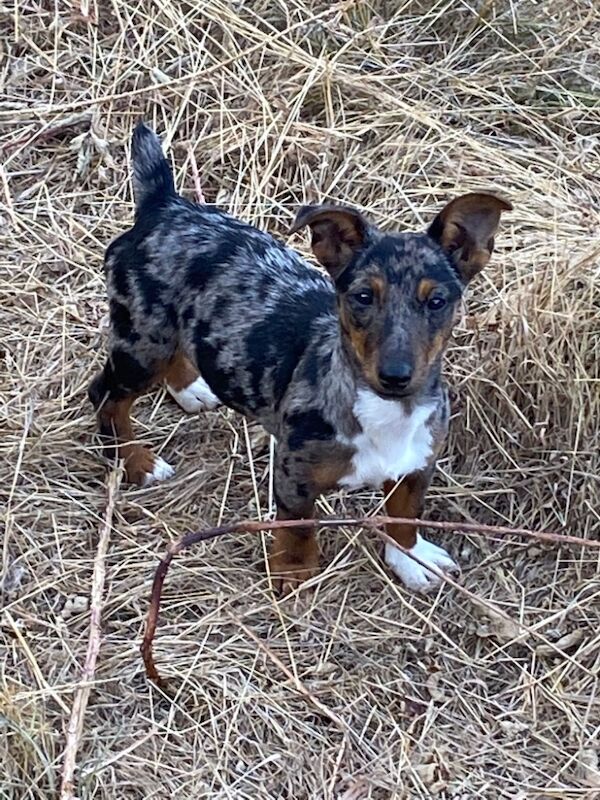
393 394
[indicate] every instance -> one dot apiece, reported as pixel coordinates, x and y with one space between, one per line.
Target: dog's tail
152 176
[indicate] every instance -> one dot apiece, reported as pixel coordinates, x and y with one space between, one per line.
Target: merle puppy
344 369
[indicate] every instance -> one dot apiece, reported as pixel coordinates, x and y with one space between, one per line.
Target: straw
394 107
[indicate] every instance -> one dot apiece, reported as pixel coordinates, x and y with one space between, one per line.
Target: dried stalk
254 526
296 682
196 176
75 726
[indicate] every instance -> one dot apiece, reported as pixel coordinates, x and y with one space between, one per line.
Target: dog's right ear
338 232
465 229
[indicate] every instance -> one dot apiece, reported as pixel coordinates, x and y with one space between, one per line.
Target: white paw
195 397
412 574
161 472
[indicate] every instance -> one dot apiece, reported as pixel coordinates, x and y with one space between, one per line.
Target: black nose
396 376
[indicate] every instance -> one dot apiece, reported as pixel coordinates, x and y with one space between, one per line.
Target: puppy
343 369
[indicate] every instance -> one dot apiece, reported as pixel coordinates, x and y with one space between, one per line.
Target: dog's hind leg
124 378
187 387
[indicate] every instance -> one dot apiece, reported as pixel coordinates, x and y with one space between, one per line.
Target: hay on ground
393 107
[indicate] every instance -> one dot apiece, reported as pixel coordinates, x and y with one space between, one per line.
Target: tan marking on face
378 285
437 345
344 318
367 356
359 343
425 288
426 353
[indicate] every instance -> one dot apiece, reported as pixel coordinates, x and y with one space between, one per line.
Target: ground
484 691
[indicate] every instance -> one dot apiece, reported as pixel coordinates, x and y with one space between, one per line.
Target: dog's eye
364 297
436 303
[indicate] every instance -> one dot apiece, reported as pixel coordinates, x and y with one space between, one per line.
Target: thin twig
80 700
254 526
49 130
196 176
300 687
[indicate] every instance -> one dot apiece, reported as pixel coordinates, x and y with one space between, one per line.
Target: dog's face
397 293
397 303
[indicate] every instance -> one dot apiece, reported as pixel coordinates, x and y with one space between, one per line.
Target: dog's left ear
465 229
338 232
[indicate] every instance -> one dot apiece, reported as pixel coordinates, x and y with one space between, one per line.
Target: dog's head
398 292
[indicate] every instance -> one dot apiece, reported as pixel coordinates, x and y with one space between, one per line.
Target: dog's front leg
405 499
294 555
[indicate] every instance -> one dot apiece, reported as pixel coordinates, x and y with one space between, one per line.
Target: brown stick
253 526
80 700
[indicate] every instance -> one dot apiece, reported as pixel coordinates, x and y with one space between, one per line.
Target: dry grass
395 107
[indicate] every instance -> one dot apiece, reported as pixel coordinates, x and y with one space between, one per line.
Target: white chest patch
392 443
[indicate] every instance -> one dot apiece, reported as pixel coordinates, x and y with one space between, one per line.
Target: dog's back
238 302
